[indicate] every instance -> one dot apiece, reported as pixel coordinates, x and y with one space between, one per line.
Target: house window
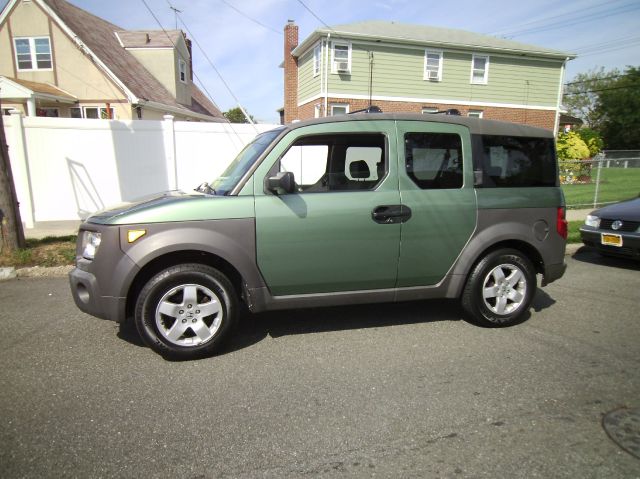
475 113
429 109
182 70
94 112
33 53
433 65
317 60
339 109
341 58
48 112
316 111
479 69
75 112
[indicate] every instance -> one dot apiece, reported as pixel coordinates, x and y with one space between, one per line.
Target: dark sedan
614 229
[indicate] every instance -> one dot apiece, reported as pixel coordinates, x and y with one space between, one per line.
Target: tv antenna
175 13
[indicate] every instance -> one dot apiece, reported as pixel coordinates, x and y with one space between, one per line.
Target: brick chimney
290 72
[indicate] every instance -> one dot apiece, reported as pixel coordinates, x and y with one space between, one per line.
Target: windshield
245 159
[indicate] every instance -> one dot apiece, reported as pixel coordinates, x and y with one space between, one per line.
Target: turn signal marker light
133 235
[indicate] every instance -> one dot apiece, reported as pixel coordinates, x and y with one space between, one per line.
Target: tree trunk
12 235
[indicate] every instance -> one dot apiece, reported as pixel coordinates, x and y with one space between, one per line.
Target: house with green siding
413 68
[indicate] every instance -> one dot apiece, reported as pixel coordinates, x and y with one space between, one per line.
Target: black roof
476 125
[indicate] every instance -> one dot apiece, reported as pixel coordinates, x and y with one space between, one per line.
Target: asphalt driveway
387 390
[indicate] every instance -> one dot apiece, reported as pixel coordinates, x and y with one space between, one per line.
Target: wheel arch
173 258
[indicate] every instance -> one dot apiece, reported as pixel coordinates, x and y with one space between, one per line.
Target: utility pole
11 233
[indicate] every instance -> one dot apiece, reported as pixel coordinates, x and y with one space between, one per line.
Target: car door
435 175
333 233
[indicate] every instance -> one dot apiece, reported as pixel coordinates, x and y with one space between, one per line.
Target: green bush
571 149
592 139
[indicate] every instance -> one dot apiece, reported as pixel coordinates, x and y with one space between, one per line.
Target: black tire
191 328
511 302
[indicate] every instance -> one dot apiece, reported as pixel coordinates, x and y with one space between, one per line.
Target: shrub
592 139
571 149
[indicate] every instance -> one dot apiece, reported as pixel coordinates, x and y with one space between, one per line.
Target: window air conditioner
342 66
432 75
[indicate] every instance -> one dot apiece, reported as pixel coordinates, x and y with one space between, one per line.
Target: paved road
384 390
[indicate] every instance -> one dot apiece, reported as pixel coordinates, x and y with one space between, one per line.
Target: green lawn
574 232
616 184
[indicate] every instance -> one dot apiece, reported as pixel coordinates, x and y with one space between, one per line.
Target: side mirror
282 182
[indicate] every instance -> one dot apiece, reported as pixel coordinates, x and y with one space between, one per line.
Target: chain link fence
609 177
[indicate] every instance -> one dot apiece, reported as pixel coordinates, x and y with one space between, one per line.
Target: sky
244 42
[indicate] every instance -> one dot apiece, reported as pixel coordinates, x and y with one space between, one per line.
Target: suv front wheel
500 289
185 311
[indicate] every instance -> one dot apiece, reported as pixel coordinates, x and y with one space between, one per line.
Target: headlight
593 221
90 244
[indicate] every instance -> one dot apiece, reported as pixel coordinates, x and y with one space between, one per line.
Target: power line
553 17
603 89
576 20
312 13
251 18
595 79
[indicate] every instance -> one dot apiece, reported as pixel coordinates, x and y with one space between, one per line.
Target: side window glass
434 160
341 162
308 163
510 161
363 163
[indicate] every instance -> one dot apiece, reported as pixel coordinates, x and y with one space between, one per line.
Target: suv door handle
391 214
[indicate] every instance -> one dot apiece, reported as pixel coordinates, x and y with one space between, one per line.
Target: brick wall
290 73
539 118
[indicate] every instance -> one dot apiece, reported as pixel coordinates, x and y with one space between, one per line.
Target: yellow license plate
611 240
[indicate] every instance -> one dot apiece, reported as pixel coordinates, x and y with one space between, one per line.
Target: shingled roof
427 35
100 36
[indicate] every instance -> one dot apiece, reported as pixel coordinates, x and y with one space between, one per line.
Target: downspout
326 78
562 72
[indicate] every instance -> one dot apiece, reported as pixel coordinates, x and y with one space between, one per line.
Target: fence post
19 158
595 195
169 134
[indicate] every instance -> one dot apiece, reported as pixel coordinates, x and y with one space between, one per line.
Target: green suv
344 210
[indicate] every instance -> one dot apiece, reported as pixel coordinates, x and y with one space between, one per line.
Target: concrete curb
573 248
7 273
44 271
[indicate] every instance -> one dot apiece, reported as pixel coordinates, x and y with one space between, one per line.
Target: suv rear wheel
500 289
185 311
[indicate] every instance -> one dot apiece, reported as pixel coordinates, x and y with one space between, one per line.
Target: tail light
561 223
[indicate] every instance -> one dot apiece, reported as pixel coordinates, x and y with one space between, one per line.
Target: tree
582 93
11 233
592 139
235 115
619 108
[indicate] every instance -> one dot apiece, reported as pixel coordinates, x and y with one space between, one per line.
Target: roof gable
99 38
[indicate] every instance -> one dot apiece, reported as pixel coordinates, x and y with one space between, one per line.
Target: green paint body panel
398 71
327 242
176 207
442 221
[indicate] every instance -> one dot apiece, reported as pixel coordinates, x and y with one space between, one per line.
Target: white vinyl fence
65 169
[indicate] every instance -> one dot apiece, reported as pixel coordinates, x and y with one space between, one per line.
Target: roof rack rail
369 109
450 111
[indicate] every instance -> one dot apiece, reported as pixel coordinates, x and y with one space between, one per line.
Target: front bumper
87 296
630 242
